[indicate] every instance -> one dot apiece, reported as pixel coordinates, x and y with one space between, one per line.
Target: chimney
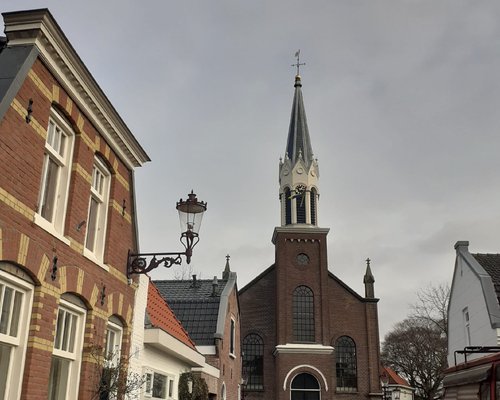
194 281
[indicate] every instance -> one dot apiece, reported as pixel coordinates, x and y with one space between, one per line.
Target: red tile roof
394 378
161 316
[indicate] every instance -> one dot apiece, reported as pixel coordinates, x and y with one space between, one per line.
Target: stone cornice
296 348
298 229
38 28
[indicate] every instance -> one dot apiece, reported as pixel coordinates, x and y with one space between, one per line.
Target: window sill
49 228
91 256
232 355
344 391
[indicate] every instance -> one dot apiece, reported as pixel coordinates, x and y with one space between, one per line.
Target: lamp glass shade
191 213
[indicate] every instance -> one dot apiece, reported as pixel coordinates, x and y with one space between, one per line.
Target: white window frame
99 195
63 157
149 376
232 338
114 331
18 343
466 317
74 355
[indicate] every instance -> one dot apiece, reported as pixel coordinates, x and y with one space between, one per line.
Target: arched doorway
305 387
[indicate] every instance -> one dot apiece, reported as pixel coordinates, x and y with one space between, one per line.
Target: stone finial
369 280
227 269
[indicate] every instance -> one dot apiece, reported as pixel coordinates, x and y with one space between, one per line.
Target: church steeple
299 170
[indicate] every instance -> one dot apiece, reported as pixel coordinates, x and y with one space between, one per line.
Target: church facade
305 334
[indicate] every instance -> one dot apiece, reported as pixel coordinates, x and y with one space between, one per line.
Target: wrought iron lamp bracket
138 263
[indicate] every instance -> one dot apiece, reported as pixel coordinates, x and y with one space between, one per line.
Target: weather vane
298 64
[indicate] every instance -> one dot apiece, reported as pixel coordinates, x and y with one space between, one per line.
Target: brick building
67 216
209 311
306 334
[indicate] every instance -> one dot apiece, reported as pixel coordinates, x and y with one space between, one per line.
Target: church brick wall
266 308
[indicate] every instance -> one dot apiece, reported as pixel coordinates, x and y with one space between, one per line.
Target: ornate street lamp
190 215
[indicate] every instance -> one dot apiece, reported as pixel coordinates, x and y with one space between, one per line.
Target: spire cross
227 258
298 64
368 262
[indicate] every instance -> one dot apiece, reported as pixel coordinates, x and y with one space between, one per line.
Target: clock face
302 259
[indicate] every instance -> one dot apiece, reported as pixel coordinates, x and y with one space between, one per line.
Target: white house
161 349
473 311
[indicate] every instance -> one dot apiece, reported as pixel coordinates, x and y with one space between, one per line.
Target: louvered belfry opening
288 207
314 196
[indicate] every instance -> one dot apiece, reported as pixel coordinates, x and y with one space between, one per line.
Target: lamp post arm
137 262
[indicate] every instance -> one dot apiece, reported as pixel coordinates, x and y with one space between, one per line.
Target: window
55 174
223 392
15 309
158 385
253 361
98 208
300 202
465 313
112 366
305 387
345 358
288 207
314 197
66 356
303 314
232 338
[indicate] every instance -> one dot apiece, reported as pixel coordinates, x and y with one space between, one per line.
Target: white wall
467 292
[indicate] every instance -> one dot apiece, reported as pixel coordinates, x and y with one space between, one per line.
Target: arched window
253 361
305 387
16 298
64 375
345 358
314 198
288 207
300 203
303 314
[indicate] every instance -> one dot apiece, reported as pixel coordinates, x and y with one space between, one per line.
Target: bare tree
417 351
113 380
432 306
185 272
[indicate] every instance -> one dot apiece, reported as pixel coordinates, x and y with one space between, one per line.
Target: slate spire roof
299 143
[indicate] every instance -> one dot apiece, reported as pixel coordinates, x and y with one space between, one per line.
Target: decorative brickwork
54 262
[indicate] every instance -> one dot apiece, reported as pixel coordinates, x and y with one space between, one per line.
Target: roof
491 264
298 142
196 305
161 316
486 269
394 378
15 63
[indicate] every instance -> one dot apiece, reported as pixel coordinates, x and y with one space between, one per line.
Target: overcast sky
403 104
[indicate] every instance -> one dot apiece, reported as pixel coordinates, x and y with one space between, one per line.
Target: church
305 334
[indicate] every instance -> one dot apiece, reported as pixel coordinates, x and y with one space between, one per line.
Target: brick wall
32 249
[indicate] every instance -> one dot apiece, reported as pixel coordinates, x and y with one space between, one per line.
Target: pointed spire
299 141
369 280
227 269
